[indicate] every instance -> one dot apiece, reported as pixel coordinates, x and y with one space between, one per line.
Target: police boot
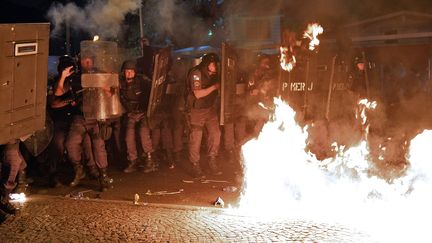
196 171
170 159
79 175
5 205
22 182
132 166
104 181
214 170
93 172
151 163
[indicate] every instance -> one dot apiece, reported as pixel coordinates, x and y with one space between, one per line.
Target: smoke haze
99 17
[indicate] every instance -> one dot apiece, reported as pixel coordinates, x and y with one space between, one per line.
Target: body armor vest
206 81
135 95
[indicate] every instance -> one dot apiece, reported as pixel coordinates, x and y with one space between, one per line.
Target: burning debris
161 193
18 197
311 33
287 60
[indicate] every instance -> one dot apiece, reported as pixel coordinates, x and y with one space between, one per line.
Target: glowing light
18 197
287 63
210 33
282 179
312 31
95 38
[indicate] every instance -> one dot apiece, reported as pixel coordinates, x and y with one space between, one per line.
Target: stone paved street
56 219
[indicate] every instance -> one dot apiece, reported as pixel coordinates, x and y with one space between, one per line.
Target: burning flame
282 179
95 38
312 31
286 63
18 197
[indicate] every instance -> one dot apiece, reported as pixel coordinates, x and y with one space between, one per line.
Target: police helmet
64 62
129 64
358 59
209 58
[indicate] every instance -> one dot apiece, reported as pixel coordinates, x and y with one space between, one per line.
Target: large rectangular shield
228 84
298 85
23 79
160 71
339 101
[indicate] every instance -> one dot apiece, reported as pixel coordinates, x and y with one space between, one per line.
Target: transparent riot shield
100 81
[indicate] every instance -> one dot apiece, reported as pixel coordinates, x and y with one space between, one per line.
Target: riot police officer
134 93
203 86
62 104
79 129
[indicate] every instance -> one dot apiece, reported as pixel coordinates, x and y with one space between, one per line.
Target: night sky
27 11
35 10
330 13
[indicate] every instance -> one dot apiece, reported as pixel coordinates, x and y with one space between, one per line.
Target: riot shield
228 84
339 102
99 79
299 84
23 79
40 139
160 71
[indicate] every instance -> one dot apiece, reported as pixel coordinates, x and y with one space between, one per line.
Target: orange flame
312 31
286 64
282 179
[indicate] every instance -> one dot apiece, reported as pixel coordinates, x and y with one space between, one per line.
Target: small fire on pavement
18 197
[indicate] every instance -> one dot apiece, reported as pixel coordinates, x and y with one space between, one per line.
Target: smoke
167 21
101 17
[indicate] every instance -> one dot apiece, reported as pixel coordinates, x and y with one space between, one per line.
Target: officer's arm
59 88
57 102
200 93
197 89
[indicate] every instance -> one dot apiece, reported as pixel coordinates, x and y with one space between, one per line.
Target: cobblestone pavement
55 219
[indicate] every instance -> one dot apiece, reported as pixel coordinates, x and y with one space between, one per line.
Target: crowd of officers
188 114
189 111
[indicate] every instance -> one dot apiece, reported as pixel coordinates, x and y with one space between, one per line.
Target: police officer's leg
56 151
132 153
15 162
178 134
197 120
147 144
213 141
99 151
74 142
156 136
116 126
89 157
167 141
